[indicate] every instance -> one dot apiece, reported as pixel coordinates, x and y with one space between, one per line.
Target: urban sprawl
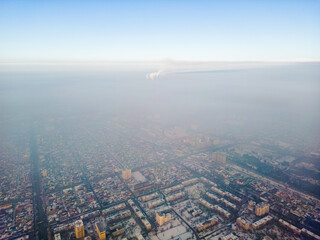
105 181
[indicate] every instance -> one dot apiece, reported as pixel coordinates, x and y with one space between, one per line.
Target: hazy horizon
248 99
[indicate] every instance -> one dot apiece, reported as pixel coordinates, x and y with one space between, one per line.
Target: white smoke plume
154 75
181 67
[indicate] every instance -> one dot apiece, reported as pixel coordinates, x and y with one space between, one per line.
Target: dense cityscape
124 181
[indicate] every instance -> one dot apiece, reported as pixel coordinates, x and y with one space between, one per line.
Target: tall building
126 174
79 229
219 158
101 231
243 223
262 209
163 219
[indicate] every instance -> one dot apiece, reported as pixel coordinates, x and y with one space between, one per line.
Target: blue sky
157 30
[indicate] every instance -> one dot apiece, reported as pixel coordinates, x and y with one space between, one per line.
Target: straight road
41 225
